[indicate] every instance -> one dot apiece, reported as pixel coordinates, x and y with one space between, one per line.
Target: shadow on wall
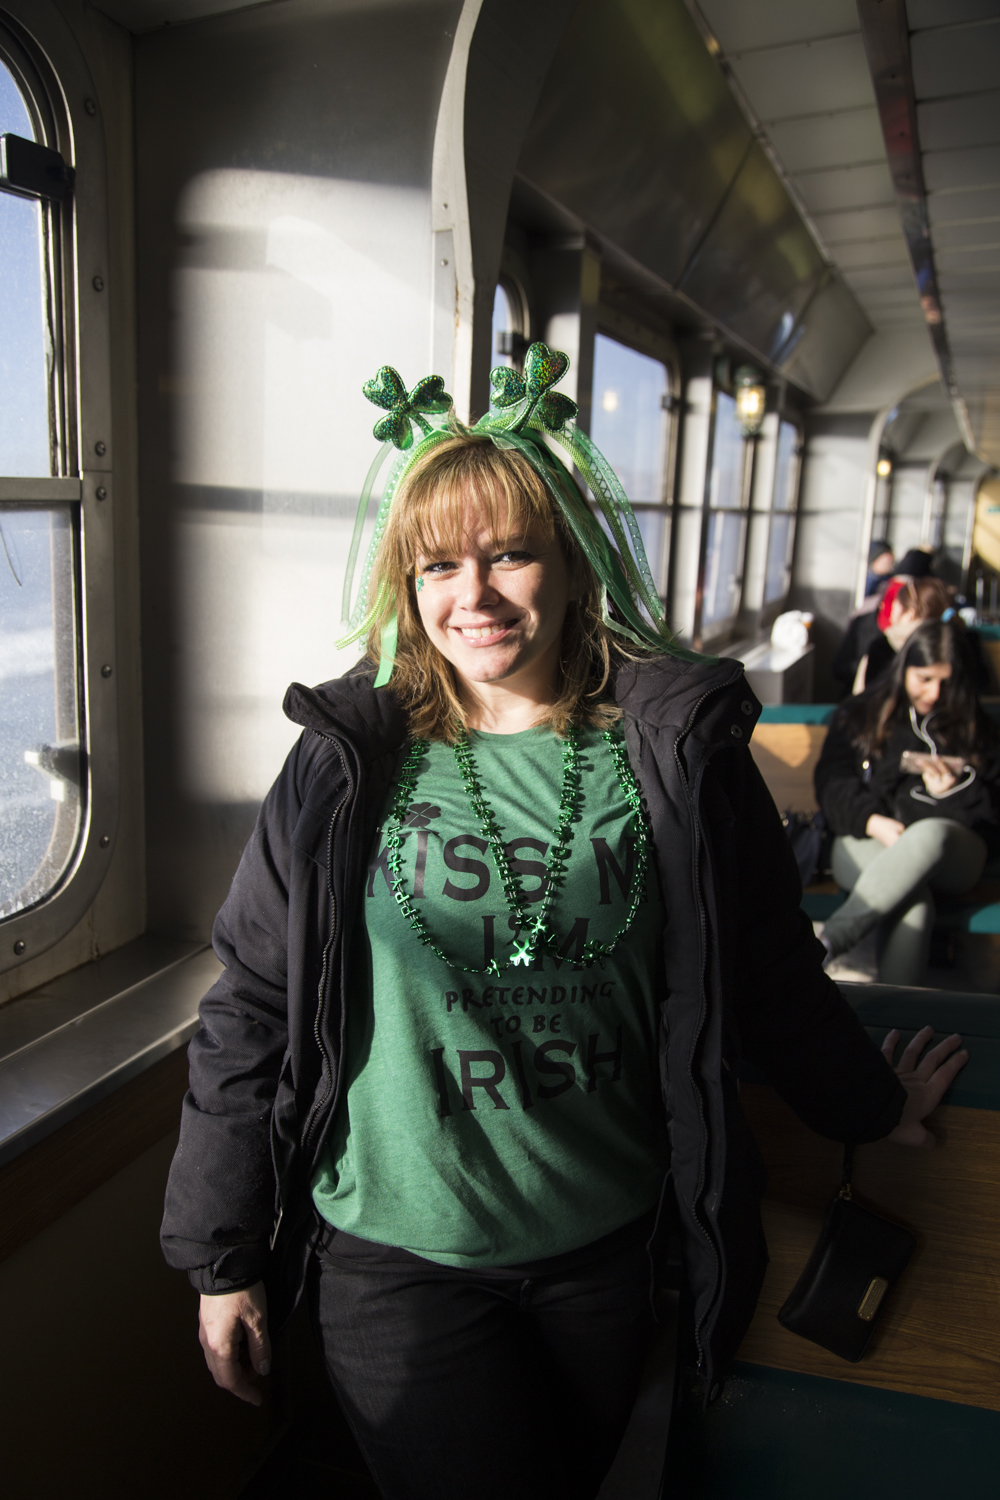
832 608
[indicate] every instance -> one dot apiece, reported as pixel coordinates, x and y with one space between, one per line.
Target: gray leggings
891 889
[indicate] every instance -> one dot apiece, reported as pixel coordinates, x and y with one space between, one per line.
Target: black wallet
857 1259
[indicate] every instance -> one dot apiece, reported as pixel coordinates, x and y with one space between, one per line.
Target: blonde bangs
460 478
463 477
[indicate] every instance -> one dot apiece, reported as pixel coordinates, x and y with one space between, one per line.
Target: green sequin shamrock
388 391
530 394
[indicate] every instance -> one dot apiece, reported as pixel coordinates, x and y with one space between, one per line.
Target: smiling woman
478 1135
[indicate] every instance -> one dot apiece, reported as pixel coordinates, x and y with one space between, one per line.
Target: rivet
90 106
98 283
101 492
104 840
19 947
106 670
747 707
444 262
736 731
100 449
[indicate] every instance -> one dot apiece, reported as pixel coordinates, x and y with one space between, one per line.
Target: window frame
727 629
759 612
41 52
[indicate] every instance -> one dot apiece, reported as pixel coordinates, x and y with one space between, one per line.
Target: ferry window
629 423
25 349
782 532
509 323
723 576
40 764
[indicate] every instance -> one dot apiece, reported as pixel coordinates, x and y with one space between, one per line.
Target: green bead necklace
534 935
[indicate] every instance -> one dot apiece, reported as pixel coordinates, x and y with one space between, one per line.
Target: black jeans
513 1383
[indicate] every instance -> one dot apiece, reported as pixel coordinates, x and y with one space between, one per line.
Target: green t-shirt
487 1122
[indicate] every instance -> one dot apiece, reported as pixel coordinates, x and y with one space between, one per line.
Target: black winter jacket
850 786
742 975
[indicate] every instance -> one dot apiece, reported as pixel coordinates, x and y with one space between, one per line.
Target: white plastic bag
790 632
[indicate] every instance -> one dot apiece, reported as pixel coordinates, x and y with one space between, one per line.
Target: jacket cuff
887 1119
859 822
234 1271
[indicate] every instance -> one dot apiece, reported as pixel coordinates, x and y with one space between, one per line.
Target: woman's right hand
885 830
228 1326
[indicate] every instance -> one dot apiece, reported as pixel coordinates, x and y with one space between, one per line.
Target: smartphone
916 762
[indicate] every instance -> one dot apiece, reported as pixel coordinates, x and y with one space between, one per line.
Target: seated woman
909 781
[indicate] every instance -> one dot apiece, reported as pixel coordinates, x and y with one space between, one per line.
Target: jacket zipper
320 1103
703 932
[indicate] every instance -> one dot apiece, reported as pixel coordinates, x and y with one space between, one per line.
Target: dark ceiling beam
887 42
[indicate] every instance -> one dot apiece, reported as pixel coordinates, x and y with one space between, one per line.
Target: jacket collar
705 700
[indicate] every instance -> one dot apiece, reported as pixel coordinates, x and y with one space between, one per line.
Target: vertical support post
567 276
694 477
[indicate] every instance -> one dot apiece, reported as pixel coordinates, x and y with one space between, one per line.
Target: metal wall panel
758 264
833 330
636 132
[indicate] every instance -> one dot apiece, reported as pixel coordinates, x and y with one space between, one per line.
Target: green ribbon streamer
387 652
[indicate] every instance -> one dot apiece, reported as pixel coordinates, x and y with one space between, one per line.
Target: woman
511 915
909 781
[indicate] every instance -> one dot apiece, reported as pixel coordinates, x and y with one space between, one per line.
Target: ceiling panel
958 236
956 60
950 124
947 171
857 224
806 79
742 25
967 207
847 187
803 71
145 15
832 140
878 277
947 12
890 251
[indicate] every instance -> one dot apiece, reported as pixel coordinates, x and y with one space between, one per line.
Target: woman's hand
925 1081
232 1330
885 830
937 778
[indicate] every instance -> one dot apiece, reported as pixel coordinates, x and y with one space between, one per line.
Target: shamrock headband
524 412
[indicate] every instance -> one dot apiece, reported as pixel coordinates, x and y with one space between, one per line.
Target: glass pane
727 456
723 569
779 546
628 421
40 775
651 523
25 448
785 468
503 322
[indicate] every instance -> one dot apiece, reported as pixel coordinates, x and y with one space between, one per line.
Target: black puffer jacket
850 786
742 972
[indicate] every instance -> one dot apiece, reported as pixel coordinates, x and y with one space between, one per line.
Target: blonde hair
428 514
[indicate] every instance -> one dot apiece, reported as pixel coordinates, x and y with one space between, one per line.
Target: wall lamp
751 400
883 468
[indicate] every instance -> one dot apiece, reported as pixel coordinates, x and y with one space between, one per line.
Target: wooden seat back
786 756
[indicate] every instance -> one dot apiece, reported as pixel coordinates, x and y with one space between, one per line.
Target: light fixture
883 468
751 400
